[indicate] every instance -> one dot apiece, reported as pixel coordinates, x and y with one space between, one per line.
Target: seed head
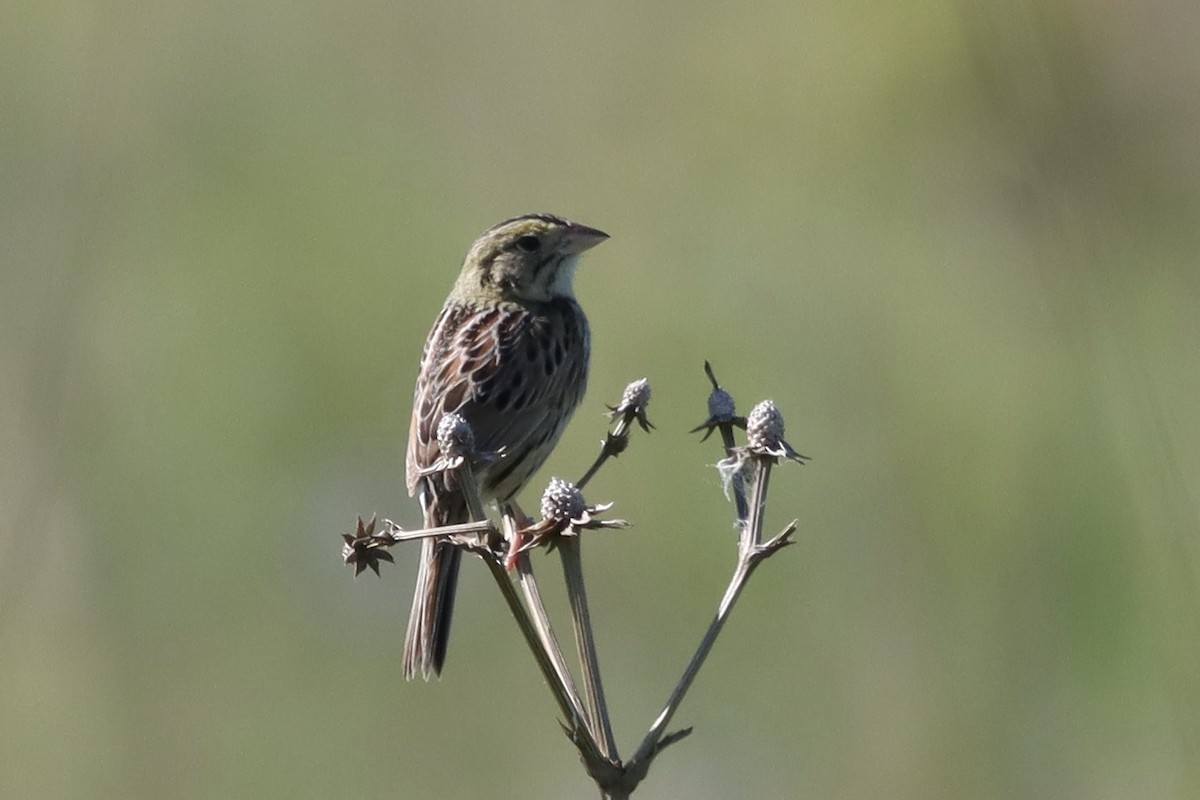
722 413
764 427
632 408
720 405
562 502
455 437
637 394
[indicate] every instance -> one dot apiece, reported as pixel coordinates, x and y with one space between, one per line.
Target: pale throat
563 284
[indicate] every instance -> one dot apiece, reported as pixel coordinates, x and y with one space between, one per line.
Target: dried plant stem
570 551
603 769
564 691
739 486
649 745
470 486
544 643
726 428
541 622
565 514
614 443
594 468
531 617
751 553
463 528
752 534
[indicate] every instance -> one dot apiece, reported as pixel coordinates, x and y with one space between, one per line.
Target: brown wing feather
515 374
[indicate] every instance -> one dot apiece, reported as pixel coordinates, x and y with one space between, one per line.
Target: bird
509 354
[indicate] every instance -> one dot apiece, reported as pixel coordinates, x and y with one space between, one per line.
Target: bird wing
514 373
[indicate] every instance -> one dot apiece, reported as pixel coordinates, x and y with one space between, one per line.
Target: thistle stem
758 503
531 618
597 707
739 486
650 744
460 529
614 443
564 692
751 553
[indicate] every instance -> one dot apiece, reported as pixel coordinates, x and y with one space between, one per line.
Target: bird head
531 258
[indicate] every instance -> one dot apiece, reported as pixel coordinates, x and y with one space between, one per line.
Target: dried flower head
764 433
456 443
632 407
720 405
564 513
362 549
455 437
637 394
764 426
562 502
722 413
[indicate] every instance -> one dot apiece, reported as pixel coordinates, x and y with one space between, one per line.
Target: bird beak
580 237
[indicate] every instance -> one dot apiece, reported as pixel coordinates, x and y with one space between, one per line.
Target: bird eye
528 243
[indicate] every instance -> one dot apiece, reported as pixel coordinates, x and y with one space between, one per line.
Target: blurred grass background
956 242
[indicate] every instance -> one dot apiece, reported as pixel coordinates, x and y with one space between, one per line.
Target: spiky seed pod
637 394
764 428
720 405
562 502
455 437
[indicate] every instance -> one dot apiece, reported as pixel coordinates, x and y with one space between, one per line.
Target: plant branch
607 451
398 534
531 618
565 515
570 551
725 422
752 534
750 554
539 620
631 409
739 485
563 690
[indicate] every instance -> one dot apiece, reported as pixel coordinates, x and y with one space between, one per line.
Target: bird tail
433 603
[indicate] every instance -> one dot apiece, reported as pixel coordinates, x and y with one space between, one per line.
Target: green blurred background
956 242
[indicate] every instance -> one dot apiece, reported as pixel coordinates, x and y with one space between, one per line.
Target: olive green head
531 258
